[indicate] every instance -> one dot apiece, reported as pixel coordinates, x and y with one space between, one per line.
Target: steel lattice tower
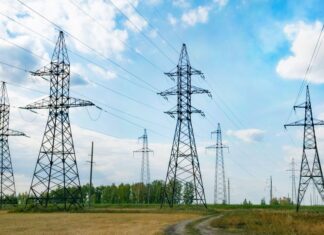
7 181
310 152
56 177
220 181
293 180
183 169
145 165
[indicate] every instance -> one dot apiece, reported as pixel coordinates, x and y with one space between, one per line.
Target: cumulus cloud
172 20
247 135
102 73
181 3
106 34
221 3
197 15
303 38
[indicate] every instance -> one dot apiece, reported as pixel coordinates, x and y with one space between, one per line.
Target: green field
150 219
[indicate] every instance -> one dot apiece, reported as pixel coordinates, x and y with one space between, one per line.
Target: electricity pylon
310 152
220 181
56 177
183 182
7 181
145 166
293 180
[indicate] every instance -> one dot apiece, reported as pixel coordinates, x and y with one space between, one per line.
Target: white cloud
221 3
303 38
248 135
172 20
197 15
104 74
181 3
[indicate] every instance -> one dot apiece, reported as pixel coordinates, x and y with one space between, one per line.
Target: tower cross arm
43 72
40 104
194 71
318 122
145 150
75 102
300 106
217 146
197 90
172 74
15 133
194 110
297 123
171 91
46 104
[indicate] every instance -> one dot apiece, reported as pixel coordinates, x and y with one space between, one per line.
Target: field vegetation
272 221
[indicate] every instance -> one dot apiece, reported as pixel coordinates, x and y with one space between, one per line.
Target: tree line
126 193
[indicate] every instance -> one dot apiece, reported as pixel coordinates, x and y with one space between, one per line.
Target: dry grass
88 223
271 222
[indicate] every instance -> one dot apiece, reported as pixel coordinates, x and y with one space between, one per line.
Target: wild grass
268 222
89 223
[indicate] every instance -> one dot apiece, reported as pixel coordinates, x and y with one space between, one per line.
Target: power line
123 42
78 55
103 110
309 67
140 31
153 27
89 47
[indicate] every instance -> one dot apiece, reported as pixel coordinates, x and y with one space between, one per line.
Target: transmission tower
56 177
228 192
145 166
7 184
183 182
293 180
220 181
310 152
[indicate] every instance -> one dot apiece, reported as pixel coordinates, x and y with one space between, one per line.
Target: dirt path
201 225
180 228
204 227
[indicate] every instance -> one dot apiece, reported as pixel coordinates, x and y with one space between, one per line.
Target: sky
254 55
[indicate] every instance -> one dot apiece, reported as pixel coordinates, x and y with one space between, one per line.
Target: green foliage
263 202
188 193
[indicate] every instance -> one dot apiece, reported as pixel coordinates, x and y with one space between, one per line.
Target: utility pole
270 190
7 181
228 192
91 165
293 180
183 169
56 166
310 157
220 181
145 166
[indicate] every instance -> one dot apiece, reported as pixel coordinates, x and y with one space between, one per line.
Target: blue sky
254 55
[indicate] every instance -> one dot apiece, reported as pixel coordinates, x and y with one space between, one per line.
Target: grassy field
268 222
90 223
150 219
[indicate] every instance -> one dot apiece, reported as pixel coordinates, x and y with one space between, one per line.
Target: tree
188 193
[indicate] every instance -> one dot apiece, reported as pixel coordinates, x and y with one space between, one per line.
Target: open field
150 219
270 222
89 223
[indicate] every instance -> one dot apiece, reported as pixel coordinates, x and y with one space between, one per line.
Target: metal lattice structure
7 181
310 152
220 181
56 178
145 164
293 180
183 182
